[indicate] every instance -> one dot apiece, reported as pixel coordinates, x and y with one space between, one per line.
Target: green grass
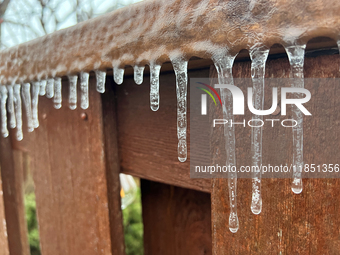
132 218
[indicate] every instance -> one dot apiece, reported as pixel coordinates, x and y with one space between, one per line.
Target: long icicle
57 99
258 57
296 56
154 86
84 90
224 63
18 111
10 107
180 67
4 130
72 99
26 98
35 100
100 83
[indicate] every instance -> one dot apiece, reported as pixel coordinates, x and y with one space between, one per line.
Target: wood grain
70 175
176 220
3 228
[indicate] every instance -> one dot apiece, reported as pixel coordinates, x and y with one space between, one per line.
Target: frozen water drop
258 65
154 86
138 74
10 107
118 74
180 67
4 130
35 99
84 90
57 99
296 56
42 90
72 100
26 98
18 111
100 77
224 64
50 88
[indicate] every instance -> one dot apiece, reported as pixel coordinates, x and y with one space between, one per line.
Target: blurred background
25 20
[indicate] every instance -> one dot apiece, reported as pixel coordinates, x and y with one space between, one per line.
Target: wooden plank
3 228
12 183
69 166
176 220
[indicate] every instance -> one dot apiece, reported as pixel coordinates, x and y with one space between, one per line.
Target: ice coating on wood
72 100
154 86
10 107
258 64
43 84
3 100
26 99
296 56
35 100
180 66
18 111
50 88
57 98
138 74
118 75
223 62
84 90
100 81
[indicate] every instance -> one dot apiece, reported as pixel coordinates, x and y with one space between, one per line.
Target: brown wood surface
69 164
12 166
176 220
3 228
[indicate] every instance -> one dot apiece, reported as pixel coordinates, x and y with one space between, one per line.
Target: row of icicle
13 96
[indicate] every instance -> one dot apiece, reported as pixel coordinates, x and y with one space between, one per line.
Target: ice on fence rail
296 56
35 100
26 98
154 86
84 90
3 101
10 106
138 74
18 111
223 62
180 66
100 81
57 98
258 65
72 99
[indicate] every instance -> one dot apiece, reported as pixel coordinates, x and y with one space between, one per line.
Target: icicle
10 107
100 77
258 57
118 74
224 63
138 74
296 55
35 99
42 90
50 88
154 86
180 67
4 129
26 98
72 100
84 90
18 111
57 100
